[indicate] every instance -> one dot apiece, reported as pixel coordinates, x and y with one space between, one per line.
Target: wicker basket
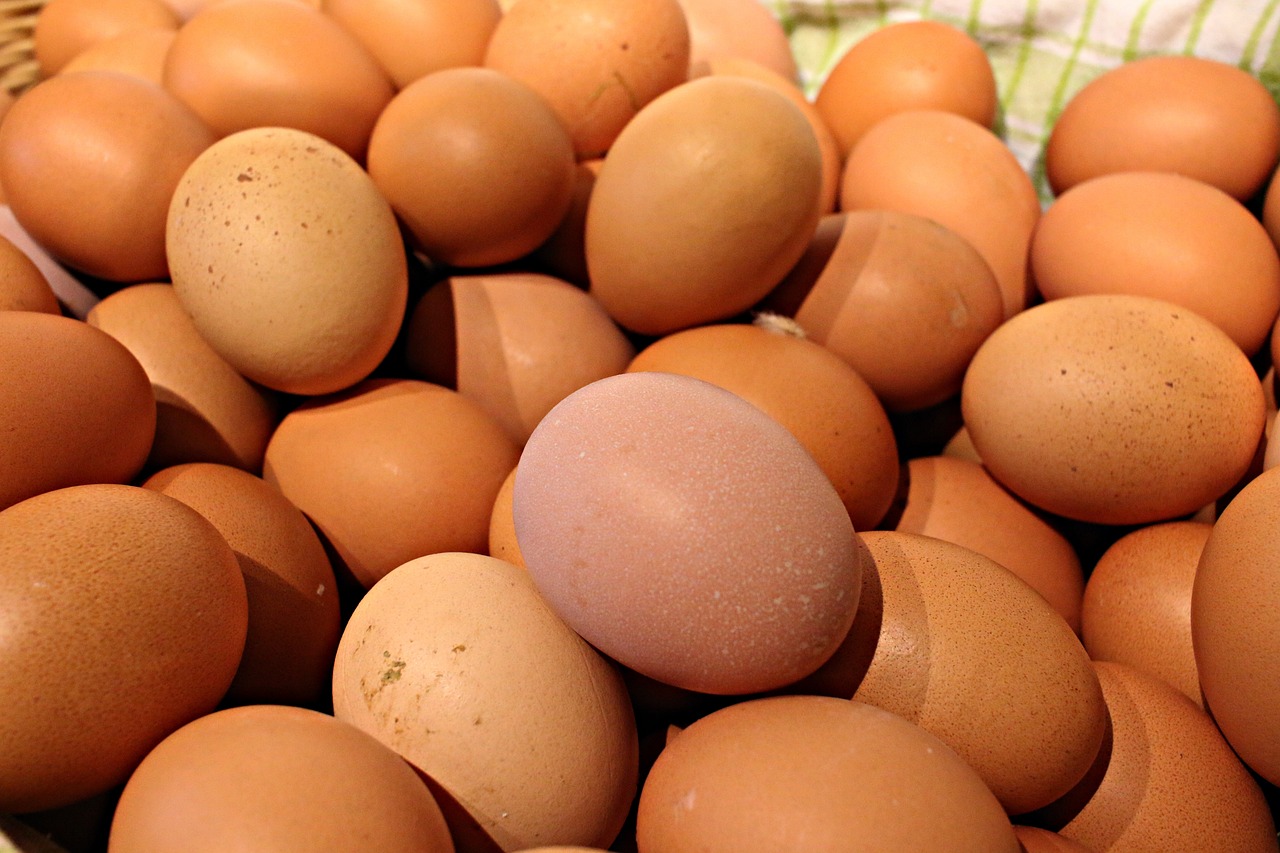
18 69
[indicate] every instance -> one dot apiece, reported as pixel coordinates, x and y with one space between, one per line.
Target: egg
139 52
75 407
762 775
686 534
454 661
288 259
1165 236
125 619
502 524
971 654
1036 840
66 28
23 286
705 201
271 775
738 29
1113 409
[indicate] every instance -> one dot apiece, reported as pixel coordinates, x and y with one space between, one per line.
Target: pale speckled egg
270 776
970 653
759 777
1113 409
125 618
457 663
66 28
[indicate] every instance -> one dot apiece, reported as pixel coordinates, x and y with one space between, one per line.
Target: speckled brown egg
456 662
205 410
970 653
75 407
1168 781
125 619
270 776
957 500
66 28
293 594
1233 624
22 286
391 470
1137 603
819 398
759 777
1113 409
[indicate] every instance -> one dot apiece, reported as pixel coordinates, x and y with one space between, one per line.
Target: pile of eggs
462 426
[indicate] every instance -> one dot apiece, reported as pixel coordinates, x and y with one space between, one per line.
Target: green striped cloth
1043 51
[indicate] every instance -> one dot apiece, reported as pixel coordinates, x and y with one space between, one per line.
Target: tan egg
970 653
269 776
1036 840
945 167
597 64
707 199
821 401
125 617
686 534
89 163
1137 603
1233 630
909 65
293 596
455 662
1168 781
502 525
205 410
391 470
138 52
905 301
957 500
1165 236
412 38
516 343
22 286
75 406
1113 409
1208 120
241 64
563 254
751 69
474 164
738 29
288 259
760 776
65 28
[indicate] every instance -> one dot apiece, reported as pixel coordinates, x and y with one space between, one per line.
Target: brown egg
455 661
1168 781
65 28
412 38
1166 236
1113 409
391 470
475 164
563 254
125 618
1137 603
707 199
686 534
738 30
269 776
1195 116
205 410
502 524
759 777
517 343
910 65
75 298
1036 840
1233 624
89 162
970 653
821 401
293 596
22 286
596 64
957 500
945 167
255 63
137 52
288 259
905 301
75 406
